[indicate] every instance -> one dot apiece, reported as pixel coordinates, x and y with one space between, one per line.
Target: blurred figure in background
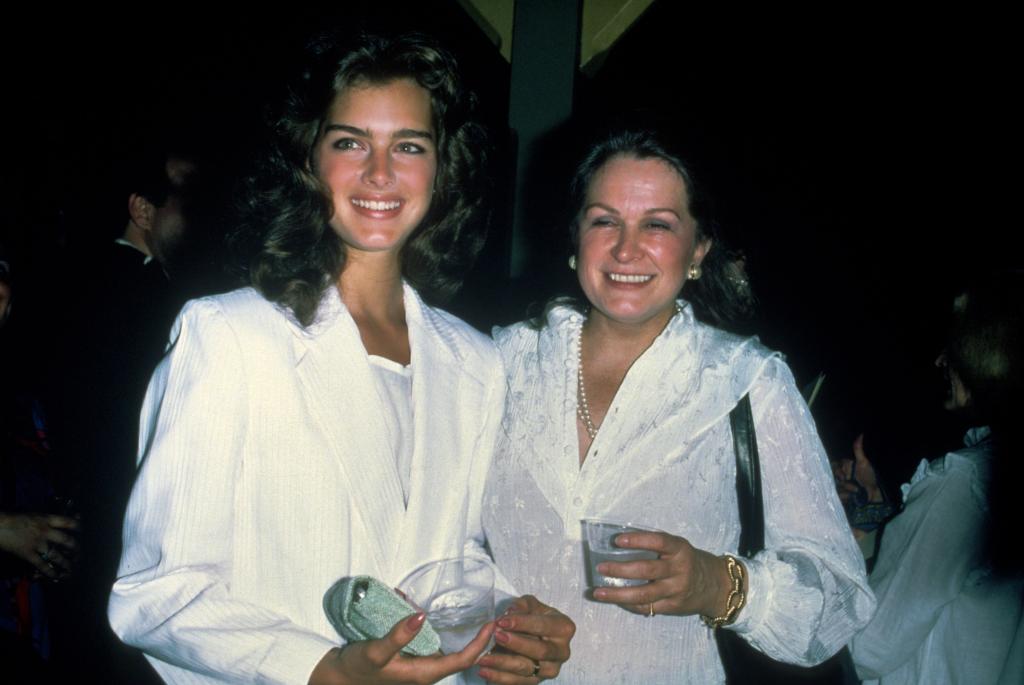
949 575
37 538
128 290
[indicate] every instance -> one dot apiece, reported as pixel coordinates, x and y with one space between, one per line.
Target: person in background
38 536
949 573
127 295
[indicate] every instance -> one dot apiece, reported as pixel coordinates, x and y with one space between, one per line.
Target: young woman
327 421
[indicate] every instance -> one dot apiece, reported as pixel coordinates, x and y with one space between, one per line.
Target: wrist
731 594
328 670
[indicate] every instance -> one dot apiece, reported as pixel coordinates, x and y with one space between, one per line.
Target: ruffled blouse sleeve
927 554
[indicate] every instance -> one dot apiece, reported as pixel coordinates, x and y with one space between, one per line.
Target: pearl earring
572 262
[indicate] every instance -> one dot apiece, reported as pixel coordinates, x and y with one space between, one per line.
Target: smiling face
378 157
637 240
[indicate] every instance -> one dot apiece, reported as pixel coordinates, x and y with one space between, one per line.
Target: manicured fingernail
501 636
600 594
505 623
416 620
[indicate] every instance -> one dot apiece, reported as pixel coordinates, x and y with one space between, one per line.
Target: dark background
862 157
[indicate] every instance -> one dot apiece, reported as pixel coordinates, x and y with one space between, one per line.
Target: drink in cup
599 546
457 596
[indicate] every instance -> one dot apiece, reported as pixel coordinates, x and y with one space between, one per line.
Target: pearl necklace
582 406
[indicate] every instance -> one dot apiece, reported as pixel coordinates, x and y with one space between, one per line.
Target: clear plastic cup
457 596
599 546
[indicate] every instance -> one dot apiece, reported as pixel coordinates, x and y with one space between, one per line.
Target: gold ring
650 613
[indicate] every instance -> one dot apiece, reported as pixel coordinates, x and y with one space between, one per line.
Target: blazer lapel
342 399
446 399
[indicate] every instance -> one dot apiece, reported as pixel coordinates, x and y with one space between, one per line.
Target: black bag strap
748 479
744 664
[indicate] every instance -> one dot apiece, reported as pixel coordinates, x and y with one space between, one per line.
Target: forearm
728 585
178 595
189 620
795 614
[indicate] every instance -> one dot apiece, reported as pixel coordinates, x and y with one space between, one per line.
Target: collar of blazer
331 313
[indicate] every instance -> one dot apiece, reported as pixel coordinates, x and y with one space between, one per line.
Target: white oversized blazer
266 474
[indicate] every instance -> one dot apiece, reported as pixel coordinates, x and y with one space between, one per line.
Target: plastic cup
457 596
599 546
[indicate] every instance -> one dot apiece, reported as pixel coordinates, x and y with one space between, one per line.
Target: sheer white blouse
664 458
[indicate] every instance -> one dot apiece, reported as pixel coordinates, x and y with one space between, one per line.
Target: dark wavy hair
286 247
715 297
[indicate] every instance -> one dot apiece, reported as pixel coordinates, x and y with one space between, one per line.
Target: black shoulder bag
744 664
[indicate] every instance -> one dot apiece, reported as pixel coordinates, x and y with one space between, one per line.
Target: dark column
545 54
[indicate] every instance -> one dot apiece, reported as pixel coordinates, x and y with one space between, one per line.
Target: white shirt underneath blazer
266 474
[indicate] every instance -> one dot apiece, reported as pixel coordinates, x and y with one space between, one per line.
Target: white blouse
942 616
663 457
394 387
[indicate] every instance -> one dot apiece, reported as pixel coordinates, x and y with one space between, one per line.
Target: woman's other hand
380 662
47 542
532 644
683 580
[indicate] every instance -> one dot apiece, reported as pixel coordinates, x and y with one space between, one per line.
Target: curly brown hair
288 250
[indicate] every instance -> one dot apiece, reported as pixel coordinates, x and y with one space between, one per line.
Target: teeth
375 205
629 278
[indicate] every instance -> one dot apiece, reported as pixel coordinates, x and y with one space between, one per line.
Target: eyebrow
612 210
397 135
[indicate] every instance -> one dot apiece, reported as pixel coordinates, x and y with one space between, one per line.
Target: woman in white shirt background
949 573
619 409
328 421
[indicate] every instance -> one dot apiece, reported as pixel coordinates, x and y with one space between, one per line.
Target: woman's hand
864 471
45 541
857 477
532 644
684 580
380 662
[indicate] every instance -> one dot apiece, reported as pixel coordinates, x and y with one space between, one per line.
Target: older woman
327 421
619 409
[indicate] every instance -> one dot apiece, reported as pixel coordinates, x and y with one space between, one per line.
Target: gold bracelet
736 599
